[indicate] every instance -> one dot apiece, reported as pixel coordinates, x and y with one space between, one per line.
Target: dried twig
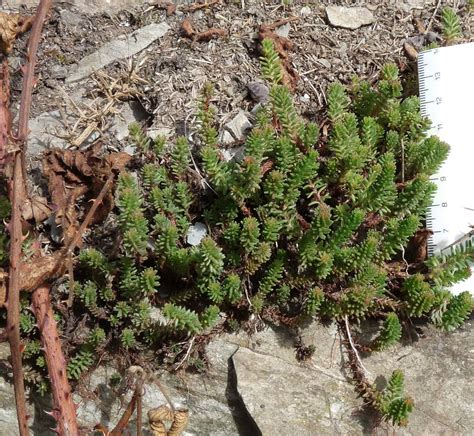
188 352
430 23
189 32
123 422
17 196
198 6
280 23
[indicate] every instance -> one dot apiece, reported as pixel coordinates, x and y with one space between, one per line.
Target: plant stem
17 196
64 409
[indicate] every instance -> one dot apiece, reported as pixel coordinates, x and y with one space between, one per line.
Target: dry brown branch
13 301
280 23
5 117
189 32
198 6
123 422
140 409
17 196
64 410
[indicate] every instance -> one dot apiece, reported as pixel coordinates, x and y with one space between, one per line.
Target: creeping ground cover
303 225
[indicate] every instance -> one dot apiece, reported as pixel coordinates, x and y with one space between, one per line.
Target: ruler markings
446 92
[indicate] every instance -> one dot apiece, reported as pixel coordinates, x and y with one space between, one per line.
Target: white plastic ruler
446 78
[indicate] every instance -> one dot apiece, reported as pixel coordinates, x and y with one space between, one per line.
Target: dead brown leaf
417 248
419 25
187 28
41 269
75 175
168 6
282 46
35 208
11 25
410 51
118 161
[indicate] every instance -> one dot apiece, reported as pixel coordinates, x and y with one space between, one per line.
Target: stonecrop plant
301 226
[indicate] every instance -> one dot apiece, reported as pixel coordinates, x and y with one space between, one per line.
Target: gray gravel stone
283 31
258 91
235 129
349 18
408 5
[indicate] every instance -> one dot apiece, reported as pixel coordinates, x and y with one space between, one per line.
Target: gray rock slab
117 49
45 132
254 385
122 121
349 17
439 374
438 370
287 398
234 153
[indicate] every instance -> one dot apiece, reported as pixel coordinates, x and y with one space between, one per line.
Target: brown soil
174 68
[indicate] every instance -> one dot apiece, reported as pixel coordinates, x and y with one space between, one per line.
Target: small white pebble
305 11
196 233
305 98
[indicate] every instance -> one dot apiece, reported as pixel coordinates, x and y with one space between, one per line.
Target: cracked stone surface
255 386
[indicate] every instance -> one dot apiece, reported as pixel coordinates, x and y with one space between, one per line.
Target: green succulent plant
303 225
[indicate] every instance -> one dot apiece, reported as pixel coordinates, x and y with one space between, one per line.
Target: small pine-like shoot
79 363
456 312
394 405
338 102
451 25
182 319
139 137
270 63
419 297
390 334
